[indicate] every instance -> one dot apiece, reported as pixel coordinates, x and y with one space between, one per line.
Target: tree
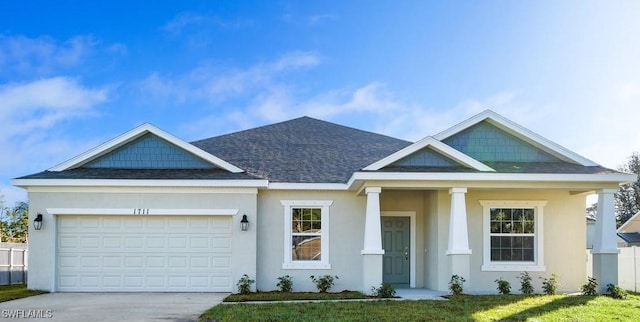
628 196
14 223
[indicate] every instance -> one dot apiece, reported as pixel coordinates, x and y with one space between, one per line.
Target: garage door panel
165 254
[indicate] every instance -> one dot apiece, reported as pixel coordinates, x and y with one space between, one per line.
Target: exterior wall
564 238
433 272
42 243
346 230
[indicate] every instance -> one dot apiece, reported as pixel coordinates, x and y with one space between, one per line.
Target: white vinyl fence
13 264
628 268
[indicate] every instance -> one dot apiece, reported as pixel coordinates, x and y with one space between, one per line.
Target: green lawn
293 296
18 291
461 308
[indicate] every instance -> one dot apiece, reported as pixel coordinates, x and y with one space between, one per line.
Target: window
513 235
306 226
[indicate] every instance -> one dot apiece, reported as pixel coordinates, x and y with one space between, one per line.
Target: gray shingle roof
303 150
141 174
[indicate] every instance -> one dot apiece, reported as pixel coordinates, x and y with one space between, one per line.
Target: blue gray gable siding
485 142
307 150
425 157
149 152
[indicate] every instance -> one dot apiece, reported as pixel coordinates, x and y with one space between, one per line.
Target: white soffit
134 134
520 132
435 145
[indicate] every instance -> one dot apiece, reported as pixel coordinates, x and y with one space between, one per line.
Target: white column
372 249
458 232
605 250
458 250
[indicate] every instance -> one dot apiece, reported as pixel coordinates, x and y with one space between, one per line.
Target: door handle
406 253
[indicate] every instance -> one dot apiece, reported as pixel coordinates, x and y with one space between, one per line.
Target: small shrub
550 285
385 290
324 283
244 284
590 288
285 283
504 287
456 284
525 283
616 292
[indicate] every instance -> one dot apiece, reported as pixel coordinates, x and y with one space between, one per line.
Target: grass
293 296
18 291
458 308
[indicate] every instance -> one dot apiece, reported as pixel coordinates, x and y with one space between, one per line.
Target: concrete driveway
82 307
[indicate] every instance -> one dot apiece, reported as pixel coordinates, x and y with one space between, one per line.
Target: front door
395 241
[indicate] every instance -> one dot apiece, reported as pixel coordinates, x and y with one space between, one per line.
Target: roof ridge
291 121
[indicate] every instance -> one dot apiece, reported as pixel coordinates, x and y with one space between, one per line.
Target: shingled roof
306 150
302 150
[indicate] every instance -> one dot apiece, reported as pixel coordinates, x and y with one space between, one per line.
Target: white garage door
144 253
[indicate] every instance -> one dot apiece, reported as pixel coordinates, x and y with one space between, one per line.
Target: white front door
144 253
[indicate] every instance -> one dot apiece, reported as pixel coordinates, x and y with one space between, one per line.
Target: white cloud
29 116
211 84
42 55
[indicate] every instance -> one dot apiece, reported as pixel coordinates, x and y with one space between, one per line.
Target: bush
456 284
244 284
550 285
385 290
525 283
590 288
324 283
504 287
285 283
616 292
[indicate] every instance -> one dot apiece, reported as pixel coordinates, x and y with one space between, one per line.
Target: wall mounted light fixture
244 223
37 223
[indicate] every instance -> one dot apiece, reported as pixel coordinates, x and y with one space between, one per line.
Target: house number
140 211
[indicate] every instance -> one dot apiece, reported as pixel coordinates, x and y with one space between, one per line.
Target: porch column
458 250
372 251
605 250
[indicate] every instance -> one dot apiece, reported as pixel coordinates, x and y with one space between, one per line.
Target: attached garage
160 253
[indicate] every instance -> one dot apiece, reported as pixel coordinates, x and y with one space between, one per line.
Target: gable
149 152
429 151
128 149
485 142
425 158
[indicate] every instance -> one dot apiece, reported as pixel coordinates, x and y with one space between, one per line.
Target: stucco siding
42 261
346 230
564 238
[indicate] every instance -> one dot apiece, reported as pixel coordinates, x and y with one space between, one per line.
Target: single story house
485 199
629 232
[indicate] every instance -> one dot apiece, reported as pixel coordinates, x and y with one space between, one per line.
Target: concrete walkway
82 307
420 294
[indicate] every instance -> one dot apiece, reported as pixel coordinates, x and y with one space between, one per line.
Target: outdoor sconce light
37 223
244 223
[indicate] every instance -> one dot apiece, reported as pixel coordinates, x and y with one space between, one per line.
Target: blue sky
74 74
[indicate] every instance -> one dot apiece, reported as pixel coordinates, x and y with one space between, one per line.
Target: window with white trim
306 229
512 235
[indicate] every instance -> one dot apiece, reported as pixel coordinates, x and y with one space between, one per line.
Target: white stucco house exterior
484 199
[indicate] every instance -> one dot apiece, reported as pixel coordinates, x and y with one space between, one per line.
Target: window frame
324 206
538 236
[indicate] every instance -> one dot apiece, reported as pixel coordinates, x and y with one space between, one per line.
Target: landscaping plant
244 284
525 283
590 288
550 285
616 292
504 287
385 290
456 284
285 283
324 283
